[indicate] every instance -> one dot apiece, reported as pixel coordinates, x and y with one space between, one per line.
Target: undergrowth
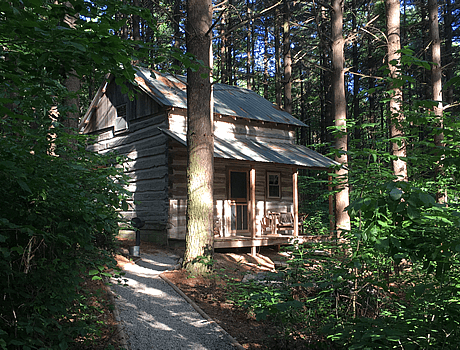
392 284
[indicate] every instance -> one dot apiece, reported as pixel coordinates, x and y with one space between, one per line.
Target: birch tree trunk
398 148
340 116
200 142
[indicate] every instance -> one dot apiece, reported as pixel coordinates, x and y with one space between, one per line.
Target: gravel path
154 316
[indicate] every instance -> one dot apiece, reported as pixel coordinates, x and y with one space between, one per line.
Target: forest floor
210 292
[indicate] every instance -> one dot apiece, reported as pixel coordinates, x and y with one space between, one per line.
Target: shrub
58 219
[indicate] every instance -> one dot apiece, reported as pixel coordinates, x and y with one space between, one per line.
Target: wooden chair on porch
269 222
275 222
285 222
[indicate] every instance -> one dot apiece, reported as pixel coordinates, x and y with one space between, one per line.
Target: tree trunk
230 49
355 58
266 58
287 57
249 47
436 82
200 142
276 36
223 48
448 56
71 119
176 31
136 24
340 116
396 116
73 84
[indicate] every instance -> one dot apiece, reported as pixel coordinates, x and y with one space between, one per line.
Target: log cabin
256 159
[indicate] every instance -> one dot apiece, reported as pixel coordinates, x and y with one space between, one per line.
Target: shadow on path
154 316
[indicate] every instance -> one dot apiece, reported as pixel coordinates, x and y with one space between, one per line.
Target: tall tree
449 56
436 76
287 60
340 115
72 83
276 37
200 140
398 146
224 45
249 42
266 58
176 31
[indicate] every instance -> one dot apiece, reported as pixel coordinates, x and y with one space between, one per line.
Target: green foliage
393 281
314 203
58 219
60 205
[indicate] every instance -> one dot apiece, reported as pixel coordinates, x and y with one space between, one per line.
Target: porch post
295 196
252 189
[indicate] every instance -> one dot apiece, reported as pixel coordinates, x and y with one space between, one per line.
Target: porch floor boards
265 240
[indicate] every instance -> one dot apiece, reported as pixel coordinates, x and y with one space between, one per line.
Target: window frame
269 173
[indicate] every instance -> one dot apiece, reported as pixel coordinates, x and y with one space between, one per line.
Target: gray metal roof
170 90
257 151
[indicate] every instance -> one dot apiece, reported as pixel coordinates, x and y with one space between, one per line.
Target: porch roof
257 151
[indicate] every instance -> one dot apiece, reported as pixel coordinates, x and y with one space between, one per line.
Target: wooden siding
146 148
222 209
105 113
239 128
228 128
156 167
178 120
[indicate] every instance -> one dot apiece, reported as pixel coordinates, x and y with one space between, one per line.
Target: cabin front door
238 193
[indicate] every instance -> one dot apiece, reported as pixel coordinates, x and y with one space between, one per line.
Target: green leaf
78 46
18 249
419 290
23 185
412 212
427 199
93 272
396 194
453 81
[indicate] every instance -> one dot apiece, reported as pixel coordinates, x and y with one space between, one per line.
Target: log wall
145 146
156 164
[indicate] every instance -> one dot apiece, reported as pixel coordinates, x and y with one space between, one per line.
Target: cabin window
121 119
274 185
238 193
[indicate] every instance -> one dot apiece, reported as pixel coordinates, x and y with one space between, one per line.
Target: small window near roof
273 185
121 119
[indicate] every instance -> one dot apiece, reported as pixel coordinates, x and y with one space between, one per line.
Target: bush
58 220
394 283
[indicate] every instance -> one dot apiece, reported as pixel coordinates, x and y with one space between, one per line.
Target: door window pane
239 220
238 185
